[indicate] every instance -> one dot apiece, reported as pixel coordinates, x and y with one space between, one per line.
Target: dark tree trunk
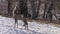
38 7
33 5
23 7
10 7
44 11
49 11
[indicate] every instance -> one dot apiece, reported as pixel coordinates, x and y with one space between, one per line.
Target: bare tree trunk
10 7
38 7
34 5
44 11
49 11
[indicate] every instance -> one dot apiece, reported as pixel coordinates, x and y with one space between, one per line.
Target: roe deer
15 15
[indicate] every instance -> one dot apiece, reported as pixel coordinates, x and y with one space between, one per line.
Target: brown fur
25 23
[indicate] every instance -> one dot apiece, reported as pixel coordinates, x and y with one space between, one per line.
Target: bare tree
10 7
38 7
49 11
44 14
33 8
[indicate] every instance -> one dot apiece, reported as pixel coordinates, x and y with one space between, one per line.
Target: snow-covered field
7 27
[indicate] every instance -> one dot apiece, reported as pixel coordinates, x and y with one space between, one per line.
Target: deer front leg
16 21
26 26
17 24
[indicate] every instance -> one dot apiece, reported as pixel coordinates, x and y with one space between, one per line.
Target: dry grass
55 23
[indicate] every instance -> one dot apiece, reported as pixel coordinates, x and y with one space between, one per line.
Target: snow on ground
7 27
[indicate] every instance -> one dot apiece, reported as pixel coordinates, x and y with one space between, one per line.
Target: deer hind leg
27 26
